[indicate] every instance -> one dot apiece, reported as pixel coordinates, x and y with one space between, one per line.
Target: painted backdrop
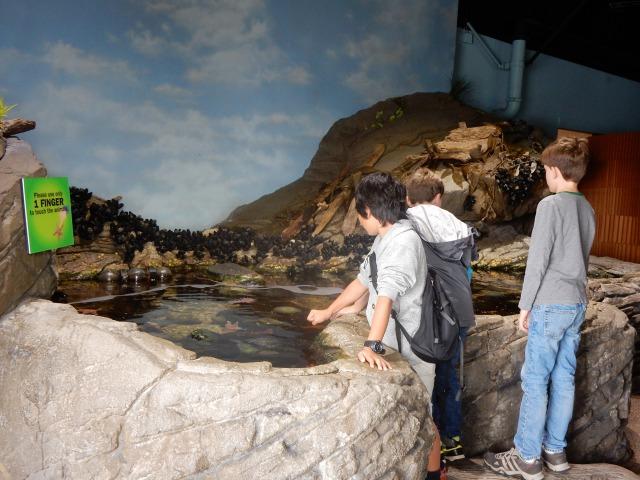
190 108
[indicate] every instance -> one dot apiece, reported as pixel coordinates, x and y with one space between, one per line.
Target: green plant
4 108
379 120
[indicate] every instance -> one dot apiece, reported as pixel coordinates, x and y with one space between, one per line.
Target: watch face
377 347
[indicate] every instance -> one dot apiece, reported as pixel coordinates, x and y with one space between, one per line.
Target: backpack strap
373 275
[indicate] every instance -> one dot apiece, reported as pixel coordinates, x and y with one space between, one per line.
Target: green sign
47 213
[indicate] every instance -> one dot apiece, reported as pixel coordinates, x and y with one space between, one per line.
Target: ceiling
604 35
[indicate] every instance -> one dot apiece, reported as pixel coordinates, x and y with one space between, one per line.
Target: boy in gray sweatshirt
552 309
401 276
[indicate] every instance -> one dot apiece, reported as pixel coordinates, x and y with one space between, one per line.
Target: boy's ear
437 200
408 202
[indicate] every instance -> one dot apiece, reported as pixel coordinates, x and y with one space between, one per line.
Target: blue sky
190 108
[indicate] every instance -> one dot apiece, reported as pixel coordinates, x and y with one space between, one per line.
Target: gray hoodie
402 273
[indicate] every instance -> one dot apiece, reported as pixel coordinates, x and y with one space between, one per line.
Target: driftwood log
325 217
350 220
15 126
467 160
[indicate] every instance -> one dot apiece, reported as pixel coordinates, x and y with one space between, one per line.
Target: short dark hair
384 195
423 186
569 155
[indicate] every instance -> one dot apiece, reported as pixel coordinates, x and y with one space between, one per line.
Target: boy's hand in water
317 317
523 321
373 359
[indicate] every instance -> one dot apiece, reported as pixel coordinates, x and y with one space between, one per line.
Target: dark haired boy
552 309
401 275
453 245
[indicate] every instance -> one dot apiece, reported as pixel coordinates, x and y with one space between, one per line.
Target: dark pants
447 395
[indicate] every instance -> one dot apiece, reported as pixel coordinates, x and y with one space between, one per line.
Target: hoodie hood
450 238
435 224
398 228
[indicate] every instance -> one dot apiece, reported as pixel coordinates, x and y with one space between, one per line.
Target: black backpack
439 331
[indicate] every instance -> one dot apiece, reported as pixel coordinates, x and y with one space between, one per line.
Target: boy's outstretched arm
378 327
357 307
349 296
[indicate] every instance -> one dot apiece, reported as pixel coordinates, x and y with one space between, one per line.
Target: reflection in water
496 293
244 324
247 324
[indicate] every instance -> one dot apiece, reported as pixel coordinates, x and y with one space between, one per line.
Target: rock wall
494 355
624 293
88 397
23 275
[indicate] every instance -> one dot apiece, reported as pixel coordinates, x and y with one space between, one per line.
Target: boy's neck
382 231
570 187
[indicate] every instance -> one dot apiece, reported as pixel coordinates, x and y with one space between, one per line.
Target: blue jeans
447 402
550 356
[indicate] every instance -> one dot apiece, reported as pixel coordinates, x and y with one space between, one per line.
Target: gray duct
516 72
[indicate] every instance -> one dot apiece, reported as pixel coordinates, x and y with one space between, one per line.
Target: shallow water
496 293
246 324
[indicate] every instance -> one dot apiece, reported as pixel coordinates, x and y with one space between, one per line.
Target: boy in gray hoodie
401 276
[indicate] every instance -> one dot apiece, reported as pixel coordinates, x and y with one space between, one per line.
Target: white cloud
382 56
222 41
298 75
73 61
172 90
378 70
331 53
11 58
184 168
147 43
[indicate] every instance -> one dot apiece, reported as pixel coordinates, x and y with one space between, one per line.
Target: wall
556 94
611 185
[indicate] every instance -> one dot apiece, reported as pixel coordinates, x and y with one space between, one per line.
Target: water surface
248 324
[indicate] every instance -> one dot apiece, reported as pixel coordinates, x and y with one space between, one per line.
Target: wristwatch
376 346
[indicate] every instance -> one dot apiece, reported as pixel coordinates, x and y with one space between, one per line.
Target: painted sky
190 108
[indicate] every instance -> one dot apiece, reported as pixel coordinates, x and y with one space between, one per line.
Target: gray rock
136 275
88 397
503 249
234 274
164 273
109 275
611 266
491 401
286 310
623 292
23 275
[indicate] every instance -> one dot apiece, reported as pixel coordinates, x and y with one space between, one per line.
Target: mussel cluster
518 185
130 232
89 219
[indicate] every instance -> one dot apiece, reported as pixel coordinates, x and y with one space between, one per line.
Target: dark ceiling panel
599 34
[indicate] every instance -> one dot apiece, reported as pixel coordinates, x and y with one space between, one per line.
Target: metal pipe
516 74
485 47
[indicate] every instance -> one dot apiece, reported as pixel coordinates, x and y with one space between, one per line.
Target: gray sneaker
509 463
556 462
